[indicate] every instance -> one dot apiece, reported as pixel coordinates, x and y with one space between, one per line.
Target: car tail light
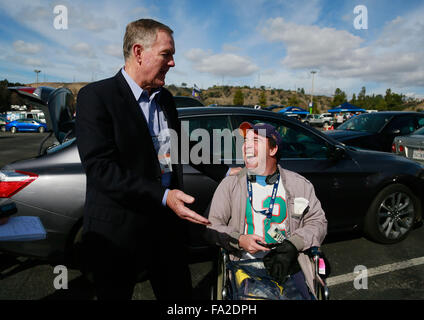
12 181
394 148
401 148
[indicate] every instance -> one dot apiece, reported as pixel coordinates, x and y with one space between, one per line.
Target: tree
339 97
353 101
262 99
361 98
238 99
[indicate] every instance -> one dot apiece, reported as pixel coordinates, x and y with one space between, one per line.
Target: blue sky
233 42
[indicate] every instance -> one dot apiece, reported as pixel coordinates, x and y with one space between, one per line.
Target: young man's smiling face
257 154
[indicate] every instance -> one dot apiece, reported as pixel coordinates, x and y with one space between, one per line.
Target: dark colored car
379 192
377 130
26 125
184 102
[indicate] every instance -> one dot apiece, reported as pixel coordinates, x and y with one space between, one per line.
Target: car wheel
306 122
41 129
13 130
3 128
392 214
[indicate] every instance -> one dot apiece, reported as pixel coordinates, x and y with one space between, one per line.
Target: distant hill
224 95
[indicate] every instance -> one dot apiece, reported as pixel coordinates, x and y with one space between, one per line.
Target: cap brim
244 126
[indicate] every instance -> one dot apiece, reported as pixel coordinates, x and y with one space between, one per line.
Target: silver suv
319 120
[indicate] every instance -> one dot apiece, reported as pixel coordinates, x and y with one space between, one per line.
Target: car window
420 122
420 131
405 125
372 122
222 142
297 142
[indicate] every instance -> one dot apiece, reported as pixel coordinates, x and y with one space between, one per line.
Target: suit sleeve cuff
228 172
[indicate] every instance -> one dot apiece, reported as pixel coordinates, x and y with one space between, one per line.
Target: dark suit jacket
124 191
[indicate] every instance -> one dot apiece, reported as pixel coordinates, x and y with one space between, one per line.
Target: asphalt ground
386 272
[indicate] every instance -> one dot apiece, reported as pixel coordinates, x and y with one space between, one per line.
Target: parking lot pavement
21 145
388 272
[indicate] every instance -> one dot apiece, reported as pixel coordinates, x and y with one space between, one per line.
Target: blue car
26 125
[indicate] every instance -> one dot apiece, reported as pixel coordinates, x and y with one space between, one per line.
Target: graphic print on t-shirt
257 223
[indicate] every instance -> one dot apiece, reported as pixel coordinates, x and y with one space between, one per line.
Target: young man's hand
249 242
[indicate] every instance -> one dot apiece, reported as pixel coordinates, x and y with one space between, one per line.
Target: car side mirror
336 153
396 131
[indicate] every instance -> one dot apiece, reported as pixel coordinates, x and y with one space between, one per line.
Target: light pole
312 92
37 72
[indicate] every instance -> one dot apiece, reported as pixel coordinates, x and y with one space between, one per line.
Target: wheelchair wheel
220 288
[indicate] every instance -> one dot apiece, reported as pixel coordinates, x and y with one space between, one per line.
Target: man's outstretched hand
176 201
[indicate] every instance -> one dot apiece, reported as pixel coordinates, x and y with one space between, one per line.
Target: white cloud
25 47
27 61
83 49
339 54
221 64
114 50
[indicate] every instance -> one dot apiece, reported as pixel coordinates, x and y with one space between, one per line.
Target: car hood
343 135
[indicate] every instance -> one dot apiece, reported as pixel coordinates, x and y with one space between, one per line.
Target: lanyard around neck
267 212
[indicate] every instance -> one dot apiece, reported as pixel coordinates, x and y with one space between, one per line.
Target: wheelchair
229 273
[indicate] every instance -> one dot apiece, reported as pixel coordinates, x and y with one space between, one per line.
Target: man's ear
273 151
137 50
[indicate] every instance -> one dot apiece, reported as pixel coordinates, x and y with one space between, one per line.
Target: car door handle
336 183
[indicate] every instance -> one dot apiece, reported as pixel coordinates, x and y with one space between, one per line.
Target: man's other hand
176 201
249 242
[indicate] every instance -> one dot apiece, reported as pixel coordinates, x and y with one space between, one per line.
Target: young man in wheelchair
269 213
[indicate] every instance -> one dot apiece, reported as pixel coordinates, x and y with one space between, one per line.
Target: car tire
41 129
392 214
3 128
306 122
13 130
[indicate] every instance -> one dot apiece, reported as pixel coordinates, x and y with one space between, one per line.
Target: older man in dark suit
134 200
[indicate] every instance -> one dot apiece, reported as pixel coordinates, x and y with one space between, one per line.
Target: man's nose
171 62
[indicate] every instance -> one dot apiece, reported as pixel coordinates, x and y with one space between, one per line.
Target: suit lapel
131 105
133 108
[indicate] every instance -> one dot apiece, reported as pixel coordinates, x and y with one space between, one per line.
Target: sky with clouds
272 43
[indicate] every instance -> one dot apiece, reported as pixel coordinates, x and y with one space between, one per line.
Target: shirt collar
137 91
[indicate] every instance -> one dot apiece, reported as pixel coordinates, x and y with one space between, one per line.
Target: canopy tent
347 107
293 109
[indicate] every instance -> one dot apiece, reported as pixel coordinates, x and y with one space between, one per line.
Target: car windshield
420 132
372 122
